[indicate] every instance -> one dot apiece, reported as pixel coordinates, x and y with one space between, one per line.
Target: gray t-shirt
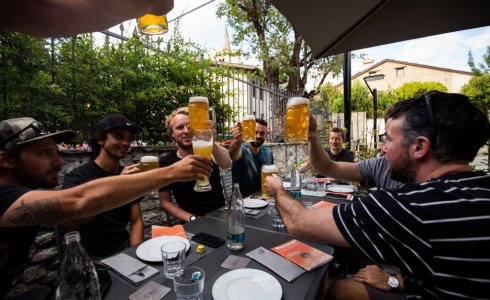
376 172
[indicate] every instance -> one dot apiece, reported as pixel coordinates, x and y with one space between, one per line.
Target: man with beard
29 160
435 226
190 204
249 157
105 233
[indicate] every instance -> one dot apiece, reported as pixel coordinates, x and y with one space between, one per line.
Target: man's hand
191 167
312 129
373 276
236 131
131 169
273 184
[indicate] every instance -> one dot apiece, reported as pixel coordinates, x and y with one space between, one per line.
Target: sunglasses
36 126
430 112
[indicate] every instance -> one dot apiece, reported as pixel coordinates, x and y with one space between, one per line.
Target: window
400 72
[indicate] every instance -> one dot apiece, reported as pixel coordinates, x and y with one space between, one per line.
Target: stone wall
43 268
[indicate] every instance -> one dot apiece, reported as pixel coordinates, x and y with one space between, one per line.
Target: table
304 287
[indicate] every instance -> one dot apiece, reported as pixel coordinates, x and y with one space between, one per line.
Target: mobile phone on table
208 239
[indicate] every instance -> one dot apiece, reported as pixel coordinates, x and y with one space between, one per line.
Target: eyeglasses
36 126
430 112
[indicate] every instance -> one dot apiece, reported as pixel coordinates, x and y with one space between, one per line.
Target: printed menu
303 255
177 230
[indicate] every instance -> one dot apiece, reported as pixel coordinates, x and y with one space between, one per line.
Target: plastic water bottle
295 183
78 277
235 230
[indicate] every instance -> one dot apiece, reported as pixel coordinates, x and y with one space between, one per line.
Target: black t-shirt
106 233
344 155
197 203
15 242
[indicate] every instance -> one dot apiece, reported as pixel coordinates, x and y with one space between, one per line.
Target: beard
403 172
257 143
34 180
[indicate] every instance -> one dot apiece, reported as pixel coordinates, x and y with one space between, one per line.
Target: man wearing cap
29 160
105 233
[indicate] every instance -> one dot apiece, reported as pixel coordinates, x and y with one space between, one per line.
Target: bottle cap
200 249
196 275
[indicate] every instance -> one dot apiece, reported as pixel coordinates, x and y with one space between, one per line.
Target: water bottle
295 183
78 277
235 230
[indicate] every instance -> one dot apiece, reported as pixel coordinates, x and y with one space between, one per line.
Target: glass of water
173 254
189 285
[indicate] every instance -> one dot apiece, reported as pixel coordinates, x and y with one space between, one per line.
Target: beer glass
148 163
248 128
202 144
152 24
296 122
199 113
267 170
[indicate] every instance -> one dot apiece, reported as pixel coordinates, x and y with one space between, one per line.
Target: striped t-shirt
437 233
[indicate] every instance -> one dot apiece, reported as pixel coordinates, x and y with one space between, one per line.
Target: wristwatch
192 218
393 281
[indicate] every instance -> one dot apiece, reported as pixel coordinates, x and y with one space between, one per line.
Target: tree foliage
415 89
78 83
285 56
478 88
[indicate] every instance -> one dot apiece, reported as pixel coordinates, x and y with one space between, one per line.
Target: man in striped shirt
435 227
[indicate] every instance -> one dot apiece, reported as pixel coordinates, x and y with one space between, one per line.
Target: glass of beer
152 24
199 113
296 122
148 163
202 144
248 128
267 170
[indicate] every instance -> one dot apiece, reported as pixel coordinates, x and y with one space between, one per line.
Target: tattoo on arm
43 211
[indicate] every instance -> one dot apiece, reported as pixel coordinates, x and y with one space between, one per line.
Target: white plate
246 284
150 250
341 188
254 203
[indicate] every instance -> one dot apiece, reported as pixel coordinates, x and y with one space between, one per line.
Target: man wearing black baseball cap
106 233
29 160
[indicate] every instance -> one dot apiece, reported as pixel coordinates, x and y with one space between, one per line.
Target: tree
415 89
284 54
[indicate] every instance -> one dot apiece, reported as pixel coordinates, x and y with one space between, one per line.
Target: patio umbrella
336 26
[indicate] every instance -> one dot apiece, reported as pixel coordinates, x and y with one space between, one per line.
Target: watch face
393 282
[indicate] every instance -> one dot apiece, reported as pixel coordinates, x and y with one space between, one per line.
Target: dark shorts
376 294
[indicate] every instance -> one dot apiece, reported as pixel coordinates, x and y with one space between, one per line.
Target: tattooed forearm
43 211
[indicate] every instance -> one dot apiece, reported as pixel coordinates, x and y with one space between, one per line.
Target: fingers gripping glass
36 126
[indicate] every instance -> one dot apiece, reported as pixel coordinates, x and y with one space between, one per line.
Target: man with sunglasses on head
435 226
29 160
105 233
249 157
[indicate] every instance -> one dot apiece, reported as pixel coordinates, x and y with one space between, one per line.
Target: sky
449 50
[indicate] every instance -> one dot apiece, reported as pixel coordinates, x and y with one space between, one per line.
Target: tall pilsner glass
202 144
148 163
199 113
248 128
267 170
296 122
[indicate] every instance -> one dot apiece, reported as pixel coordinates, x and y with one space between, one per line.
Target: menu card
177 230
303 255
282 267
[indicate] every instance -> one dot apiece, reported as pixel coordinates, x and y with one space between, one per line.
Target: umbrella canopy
335 26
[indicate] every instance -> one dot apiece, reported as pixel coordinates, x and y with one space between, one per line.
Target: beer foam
269 169
146 159
198 99
201 143
297 101
248 117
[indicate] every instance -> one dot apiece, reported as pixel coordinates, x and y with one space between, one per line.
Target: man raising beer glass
190 203
249 157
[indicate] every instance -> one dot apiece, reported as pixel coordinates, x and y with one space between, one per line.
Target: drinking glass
276 218
248 128
199 113
173 254
152 24
267 170
189 285
202 144
148 163
297 120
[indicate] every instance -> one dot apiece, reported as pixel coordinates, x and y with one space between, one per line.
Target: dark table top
304 287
